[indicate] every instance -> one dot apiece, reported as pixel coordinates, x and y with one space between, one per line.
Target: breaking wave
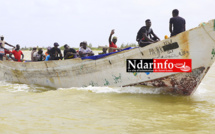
132 90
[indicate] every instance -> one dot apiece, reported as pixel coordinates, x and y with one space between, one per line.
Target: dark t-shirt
71 55
144 30
55 53
178 25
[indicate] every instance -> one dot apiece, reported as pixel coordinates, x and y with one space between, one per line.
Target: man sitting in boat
79 49
69 53
112 44
17 54
39 56
176 23
55 52
32 54
104 51
146 36
48 53
3 50
85 51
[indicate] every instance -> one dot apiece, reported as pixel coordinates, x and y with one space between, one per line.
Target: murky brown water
29 109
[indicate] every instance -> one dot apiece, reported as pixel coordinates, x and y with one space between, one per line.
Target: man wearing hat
55 52
112 44
145 35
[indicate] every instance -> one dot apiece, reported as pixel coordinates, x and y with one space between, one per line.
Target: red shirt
17 54
113 45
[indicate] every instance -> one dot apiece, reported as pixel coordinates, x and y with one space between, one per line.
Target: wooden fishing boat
197 44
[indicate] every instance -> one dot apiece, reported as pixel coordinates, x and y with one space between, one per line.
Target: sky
42 22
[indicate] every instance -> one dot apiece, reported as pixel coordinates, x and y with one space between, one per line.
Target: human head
34 48
2 37
148 23
40 51
104 50
66 47
56 45
49 48
175 12
114 39
17 47
81 44
84 44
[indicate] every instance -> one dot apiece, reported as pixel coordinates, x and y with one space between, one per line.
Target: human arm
81 54
184 25
170 28
10 55
154 35
59 52
139 35
9 45
147 38
112 32
47 57
89 52
22 57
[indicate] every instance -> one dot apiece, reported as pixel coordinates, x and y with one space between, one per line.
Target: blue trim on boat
104 55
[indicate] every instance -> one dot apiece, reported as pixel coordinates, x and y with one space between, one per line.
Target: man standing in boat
176 23
146 36
112 44
3 50
17 54
55 52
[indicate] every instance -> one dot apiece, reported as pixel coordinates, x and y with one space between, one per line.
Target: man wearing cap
55 52
176 23
85 51
112 44
145 35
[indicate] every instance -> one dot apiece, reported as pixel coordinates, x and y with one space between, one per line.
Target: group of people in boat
54 53
145 36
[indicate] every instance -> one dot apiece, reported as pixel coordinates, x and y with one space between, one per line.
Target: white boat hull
197 44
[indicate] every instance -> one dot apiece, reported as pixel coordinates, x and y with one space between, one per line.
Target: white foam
13 87
201 90
133 90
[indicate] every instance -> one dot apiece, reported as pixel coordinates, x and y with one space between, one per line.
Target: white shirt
87 50
2 43
37 56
